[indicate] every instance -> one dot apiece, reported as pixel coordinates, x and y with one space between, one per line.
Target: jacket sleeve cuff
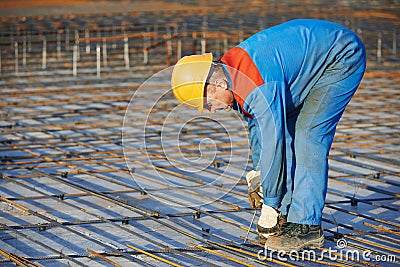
273 202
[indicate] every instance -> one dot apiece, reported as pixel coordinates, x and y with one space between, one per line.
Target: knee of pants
312 143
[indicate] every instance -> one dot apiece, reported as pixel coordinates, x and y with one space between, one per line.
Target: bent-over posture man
291 83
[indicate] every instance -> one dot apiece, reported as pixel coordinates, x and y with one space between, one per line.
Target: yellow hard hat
189 77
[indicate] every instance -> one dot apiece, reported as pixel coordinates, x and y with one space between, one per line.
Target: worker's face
218 97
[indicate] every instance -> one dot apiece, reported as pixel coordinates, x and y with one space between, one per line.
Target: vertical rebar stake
74 61
29 41
145 56
203 44
66 38
225 44
44 53
16 56
155 36
168 51
126 52
98 59
87 40
114 32
179 49
58 37
261 24
379 49
105 63
169 46
24 52
394 48
194 37
78 56
203 41
240 30
146 44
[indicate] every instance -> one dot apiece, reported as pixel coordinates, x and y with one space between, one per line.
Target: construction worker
291 82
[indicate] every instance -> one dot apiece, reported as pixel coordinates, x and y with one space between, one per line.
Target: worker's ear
221 84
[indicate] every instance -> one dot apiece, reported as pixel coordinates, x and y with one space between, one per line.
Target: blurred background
64 35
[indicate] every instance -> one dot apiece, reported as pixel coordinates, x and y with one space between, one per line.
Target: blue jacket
271 74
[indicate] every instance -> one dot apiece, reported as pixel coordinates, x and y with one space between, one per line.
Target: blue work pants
309 135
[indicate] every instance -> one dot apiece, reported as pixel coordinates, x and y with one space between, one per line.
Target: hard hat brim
189 78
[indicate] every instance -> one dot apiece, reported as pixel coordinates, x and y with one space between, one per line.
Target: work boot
264 233
295 237
270 223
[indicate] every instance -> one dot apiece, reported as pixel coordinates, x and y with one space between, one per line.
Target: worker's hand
255 199
254 189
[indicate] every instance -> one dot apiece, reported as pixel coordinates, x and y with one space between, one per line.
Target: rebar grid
68 197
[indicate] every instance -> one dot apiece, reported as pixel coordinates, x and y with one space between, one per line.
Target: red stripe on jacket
244 74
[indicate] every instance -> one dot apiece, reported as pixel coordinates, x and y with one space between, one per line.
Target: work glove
254 190
270 222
